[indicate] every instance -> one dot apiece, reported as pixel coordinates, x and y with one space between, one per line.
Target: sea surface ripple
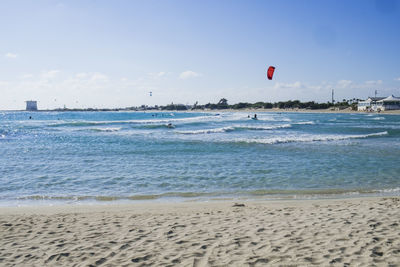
74 157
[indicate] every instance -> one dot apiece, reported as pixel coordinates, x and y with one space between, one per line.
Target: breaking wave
233 128
307 138
301 193
105 129
145 121
208 131
304 123
390 190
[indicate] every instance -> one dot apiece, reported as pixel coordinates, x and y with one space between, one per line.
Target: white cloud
99 77
373 82
344 83
160 74
4 83
26 76
11 55
157 75
347 89
92 76
81 75
189 74
98 89
83 89
50 74
397 79
279 85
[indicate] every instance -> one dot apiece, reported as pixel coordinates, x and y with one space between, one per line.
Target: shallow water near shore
74 157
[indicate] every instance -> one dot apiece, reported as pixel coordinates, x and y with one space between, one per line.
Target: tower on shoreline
31 105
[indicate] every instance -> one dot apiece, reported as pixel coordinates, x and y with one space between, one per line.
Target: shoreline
159 207
191 197
272 110
315 111
356 232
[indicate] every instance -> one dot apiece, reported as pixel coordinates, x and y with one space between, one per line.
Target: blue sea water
95 156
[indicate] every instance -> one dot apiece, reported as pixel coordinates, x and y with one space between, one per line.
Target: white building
379 104
31 105
388 103
368 104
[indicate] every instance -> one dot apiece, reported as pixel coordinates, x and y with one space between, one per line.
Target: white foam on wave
306 138
208 131
248 115
145 121
241 116
108 129
373 126
207 118
304 123
234 127
378 118
390 190
261 118
268 127
169 120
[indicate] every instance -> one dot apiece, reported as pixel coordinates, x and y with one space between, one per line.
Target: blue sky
112 53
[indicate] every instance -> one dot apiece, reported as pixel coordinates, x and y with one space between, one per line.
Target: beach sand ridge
347 232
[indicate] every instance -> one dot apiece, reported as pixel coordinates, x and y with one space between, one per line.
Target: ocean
102 157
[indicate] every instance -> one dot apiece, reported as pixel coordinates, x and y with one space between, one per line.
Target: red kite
270 72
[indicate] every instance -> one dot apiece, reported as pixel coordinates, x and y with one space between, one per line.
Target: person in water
255 116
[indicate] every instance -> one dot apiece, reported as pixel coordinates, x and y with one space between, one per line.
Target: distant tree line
174 107
223 104
291 104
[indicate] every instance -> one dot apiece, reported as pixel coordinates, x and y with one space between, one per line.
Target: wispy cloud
297 84
344 83
160 74
26 76
92 76
50 74
11 55
189 74
99 77
157 75
373 82
397 79
81 75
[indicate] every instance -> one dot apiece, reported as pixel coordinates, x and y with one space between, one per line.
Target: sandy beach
343 232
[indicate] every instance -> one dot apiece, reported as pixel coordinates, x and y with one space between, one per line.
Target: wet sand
343 232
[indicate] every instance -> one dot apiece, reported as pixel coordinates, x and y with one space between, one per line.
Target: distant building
379 103
368 104
388 103
31 105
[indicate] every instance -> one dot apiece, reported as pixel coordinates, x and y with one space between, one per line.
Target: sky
108 54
